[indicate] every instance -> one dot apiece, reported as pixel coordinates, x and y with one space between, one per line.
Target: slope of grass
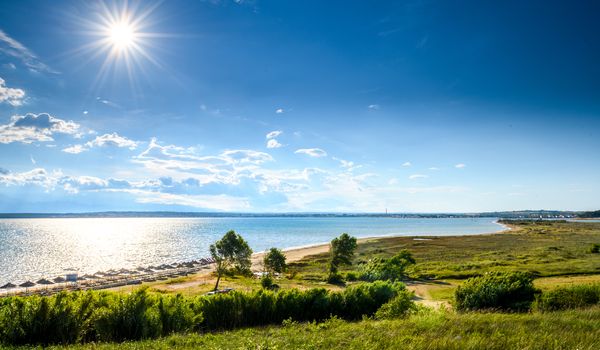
575 329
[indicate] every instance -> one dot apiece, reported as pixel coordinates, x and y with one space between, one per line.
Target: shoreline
294 254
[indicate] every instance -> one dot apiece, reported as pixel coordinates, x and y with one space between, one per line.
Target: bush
572 297
595 248
512 291
351 276
266 281
91 316
392 269
399 307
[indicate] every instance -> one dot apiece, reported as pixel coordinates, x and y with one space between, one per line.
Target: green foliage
100 316
392 269
512 291
266 281
341 252
342 249
399 307
274 260
231 254
595 248
89 316
571 297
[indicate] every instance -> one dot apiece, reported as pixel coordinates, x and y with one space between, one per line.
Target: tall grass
100 316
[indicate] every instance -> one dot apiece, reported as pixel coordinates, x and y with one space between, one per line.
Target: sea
35 248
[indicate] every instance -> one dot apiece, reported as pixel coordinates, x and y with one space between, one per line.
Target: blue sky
281 106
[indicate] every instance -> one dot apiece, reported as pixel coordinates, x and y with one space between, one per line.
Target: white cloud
32 159
31 127
113 139
274 134
434 168
12 96
13 48
85 112
313 152
374 107
393 181
105 140
218 202
75 149
417 176
279 111
460 165
406 164
272 143
37 176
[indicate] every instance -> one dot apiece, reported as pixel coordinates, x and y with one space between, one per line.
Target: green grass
542 248
574 329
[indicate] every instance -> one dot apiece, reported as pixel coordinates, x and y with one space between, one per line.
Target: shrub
351 276
274 260
399 307
266 281
571 297
512 291
91 316
595 248
392 269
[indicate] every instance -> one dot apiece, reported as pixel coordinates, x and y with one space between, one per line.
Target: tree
232 252
274 260
341 252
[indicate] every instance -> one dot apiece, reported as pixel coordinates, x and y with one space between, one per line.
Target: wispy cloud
274 134
279 111
313 152
31 127
434 168
12 96
417 176
374 107
113 139
406 164
460 165
13 48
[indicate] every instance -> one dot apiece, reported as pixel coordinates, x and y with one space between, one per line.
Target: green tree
341 252
274 260
231 252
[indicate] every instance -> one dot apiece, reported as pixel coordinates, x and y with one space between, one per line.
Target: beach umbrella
44 281
8 286
27 284
59 280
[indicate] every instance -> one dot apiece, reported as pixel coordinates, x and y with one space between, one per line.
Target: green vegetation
573 329
542 248
589 214
392 269
595 248
231 254
572 297
512 291
341 253
274 261
103 316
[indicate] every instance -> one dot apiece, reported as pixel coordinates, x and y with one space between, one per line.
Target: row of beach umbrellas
100 274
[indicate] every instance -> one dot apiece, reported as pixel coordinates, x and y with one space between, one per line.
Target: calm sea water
35 248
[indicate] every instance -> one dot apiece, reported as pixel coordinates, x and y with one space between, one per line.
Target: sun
122 35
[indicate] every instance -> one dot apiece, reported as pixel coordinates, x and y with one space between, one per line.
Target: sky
299 106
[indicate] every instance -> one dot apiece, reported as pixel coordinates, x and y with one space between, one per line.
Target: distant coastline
522 214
